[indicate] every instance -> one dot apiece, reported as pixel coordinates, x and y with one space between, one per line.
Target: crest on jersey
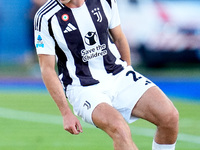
91 38
97 13
65 17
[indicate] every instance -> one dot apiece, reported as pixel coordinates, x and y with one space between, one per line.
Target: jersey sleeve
44 42
115 19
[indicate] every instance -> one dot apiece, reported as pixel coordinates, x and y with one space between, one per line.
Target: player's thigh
154 106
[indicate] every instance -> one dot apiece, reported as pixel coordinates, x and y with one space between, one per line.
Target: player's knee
175 117
121 131
116 128
171 119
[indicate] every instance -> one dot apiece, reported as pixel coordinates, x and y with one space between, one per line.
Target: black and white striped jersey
79 37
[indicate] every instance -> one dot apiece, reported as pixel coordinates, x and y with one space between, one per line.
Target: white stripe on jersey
96 65
62 43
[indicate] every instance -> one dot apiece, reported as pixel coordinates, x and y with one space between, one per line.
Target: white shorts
122 92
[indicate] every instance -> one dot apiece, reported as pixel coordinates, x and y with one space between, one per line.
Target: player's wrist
66 112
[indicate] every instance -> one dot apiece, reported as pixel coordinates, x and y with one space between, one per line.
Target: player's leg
155 107
94 107
111 121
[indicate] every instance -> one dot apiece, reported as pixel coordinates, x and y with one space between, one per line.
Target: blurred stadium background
164 36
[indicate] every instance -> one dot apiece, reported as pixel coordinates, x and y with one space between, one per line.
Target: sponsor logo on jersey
91 38
96 12
70 28
95 52
39 42
65 17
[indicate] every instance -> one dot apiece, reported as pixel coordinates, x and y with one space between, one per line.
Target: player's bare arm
50 78
121 43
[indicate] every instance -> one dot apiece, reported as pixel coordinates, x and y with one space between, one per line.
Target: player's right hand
72 124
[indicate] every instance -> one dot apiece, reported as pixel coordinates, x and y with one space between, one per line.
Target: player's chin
64 1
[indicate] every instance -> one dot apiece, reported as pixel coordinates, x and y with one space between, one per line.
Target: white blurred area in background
163 26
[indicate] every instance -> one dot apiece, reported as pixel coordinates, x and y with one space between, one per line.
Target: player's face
65 1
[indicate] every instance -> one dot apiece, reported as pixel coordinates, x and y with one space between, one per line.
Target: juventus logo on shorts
87 104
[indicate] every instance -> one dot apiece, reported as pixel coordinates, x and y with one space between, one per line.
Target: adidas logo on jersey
70 28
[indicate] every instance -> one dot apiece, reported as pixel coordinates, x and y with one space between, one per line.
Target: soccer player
86 41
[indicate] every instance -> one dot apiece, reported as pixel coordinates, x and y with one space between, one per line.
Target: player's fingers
79 127
70 129
74 131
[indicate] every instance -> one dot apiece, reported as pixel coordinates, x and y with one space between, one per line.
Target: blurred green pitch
31 121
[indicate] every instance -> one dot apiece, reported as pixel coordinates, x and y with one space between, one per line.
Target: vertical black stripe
62 69
110 3
102 30
75 44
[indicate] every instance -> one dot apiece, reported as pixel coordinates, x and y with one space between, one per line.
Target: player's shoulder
47 11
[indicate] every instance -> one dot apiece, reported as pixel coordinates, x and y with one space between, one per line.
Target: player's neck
75 3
